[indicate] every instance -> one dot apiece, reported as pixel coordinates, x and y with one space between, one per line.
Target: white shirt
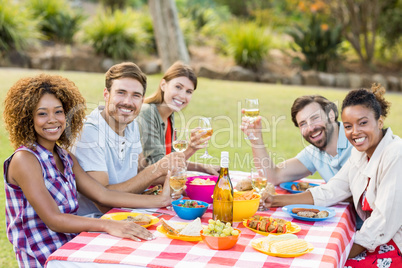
100 148
384 192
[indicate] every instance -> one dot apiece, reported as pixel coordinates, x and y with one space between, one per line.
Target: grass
221 100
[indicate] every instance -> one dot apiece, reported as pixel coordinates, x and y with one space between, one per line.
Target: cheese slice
271 239
291 246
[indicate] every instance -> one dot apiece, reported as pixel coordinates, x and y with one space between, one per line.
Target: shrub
17 27
57 22
114 34
318 43
247 43
202 17
144 19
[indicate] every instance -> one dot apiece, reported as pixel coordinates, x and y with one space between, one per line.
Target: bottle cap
224 159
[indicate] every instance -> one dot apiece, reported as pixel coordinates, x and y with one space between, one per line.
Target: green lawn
221 100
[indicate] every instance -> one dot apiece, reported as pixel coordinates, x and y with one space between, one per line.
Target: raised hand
249 125
196 139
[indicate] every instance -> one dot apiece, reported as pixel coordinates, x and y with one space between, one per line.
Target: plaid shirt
32 240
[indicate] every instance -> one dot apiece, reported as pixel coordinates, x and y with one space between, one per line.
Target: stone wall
83 59
309 78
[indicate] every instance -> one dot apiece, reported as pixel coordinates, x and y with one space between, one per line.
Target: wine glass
180 140
177 181
251 111
259 183
205 127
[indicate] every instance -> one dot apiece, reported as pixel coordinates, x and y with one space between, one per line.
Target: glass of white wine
251 111
205 127
180 140
259 183
177 181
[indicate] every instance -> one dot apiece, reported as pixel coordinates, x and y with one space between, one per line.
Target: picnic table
332 240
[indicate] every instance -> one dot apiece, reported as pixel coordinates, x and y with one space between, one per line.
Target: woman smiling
371 176
156 119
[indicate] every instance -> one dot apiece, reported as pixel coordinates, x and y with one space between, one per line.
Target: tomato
276 227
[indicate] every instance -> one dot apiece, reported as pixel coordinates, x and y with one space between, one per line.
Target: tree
168 35
360 20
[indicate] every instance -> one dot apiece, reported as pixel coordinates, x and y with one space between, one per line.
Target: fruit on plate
268 224
219 229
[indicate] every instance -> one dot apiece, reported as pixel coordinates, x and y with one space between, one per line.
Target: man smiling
317 119
109 148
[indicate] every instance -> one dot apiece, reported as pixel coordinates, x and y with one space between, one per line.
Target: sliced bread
192 229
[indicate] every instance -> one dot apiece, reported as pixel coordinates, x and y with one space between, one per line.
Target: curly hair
24 96
303 101
371 98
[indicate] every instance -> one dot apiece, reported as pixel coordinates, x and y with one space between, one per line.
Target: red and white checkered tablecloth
332 240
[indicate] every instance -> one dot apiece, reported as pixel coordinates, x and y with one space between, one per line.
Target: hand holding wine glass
177 181
259 183
251 112
180 140
205 127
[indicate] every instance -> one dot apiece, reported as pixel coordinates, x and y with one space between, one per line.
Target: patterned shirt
32 240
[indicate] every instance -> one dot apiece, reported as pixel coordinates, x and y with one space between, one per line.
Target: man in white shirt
109 148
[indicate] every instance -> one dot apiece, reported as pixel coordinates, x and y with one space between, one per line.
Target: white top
384 192
100 148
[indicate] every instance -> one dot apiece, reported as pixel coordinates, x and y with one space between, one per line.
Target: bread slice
172 228
291 246
192 229
140 219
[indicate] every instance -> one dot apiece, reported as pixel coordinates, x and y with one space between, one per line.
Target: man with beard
317 119
109 148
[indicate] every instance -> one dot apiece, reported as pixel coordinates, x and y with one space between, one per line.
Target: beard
121 118
327 132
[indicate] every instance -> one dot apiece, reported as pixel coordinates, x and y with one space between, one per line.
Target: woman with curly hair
371 176
44 115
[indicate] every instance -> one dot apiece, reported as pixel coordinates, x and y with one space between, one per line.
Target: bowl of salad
189 209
